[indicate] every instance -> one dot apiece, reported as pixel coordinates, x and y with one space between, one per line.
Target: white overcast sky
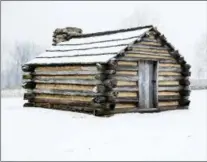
181 22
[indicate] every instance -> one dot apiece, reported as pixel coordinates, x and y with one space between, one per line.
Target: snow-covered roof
91 48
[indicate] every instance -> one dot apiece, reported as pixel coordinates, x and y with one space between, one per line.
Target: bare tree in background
21 53
201 57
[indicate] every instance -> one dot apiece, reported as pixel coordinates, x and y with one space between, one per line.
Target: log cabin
103 73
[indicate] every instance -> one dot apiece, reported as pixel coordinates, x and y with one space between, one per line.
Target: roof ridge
111 31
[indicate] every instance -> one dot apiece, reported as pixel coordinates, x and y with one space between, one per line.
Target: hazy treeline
12 60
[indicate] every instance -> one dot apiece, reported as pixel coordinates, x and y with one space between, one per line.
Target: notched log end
186 73
28 104
29 85
28 68
185 92
98 112
184 102
184 82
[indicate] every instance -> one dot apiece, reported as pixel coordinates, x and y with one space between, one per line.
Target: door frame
148 84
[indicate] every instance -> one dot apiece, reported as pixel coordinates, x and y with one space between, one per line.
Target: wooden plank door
148 84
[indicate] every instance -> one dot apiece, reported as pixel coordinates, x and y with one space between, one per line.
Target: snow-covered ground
43 134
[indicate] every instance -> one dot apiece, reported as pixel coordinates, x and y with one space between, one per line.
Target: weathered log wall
173 74
55 86
127 84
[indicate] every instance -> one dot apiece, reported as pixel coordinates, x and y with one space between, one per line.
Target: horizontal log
64 97
169 74
166 93
165 104
155 51
132 73
65 68
127 68
126 89
125 105
61 101
126 83
28 68
147 56
57 73
168 83
168 65
73 93
170 69
168 61
67 105
148 47
66 87
29 85
154 44
127 78
170 89
127 100
165 108
127 94
168 98
148 39
147 53
140 58
64 77
169 78
66 92
77 82
128 63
